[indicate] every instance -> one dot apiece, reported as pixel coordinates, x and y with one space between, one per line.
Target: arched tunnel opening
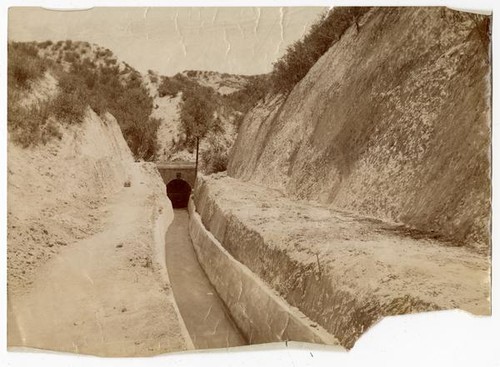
178 191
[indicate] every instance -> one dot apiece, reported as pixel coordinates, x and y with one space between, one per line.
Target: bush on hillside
24 64
71 56
214 159
245 98
68 45
303 54
170 87
102 88
45 44
31 125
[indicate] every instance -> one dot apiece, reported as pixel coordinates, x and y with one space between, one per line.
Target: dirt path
103 294
204 313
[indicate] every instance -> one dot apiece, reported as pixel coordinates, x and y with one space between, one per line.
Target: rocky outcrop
392 122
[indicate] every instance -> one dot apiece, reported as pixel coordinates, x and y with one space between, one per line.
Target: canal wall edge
259 312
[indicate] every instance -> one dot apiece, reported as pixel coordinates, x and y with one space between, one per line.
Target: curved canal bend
205 315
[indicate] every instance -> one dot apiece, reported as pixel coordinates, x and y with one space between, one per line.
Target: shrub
71 56
68 45
303 54
69 107
29 126
142 138
214 159
102 88
45 44
244 99
169 87
110 62
104 53
24 65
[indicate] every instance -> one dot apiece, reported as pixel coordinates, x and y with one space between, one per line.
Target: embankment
343 271
393 121
55 191
86 269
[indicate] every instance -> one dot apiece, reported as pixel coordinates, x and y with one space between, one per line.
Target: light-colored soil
343 271
103 295
86 269
56 193
393 122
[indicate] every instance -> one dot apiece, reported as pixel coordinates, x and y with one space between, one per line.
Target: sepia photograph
202 178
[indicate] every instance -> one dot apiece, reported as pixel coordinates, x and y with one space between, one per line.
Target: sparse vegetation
45 44
102 87
244 99
71 56
303 54
24 65
215 159
171 86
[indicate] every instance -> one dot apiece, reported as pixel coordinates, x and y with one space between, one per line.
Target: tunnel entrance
178 191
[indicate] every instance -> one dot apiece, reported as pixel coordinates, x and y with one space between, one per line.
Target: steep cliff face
392 122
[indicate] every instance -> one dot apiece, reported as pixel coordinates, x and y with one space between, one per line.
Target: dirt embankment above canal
343 271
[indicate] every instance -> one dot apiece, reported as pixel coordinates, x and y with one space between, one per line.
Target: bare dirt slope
86 270
342 270
56 192
393 121
222 83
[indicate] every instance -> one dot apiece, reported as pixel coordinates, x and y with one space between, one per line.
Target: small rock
119 246
124 309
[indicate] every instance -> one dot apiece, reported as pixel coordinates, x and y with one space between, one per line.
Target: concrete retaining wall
161 224
261 314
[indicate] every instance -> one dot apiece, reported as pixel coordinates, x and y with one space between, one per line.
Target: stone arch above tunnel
179 179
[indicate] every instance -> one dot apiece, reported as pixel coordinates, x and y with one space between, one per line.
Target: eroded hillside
393 121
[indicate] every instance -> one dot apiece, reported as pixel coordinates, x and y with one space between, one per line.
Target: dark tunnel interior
178 191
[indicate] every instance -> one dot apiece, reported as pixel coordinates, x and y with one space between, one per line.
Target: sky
170 40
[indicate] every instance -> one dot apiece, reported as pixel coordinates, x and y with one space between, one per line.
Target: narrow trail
99 296
206 317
